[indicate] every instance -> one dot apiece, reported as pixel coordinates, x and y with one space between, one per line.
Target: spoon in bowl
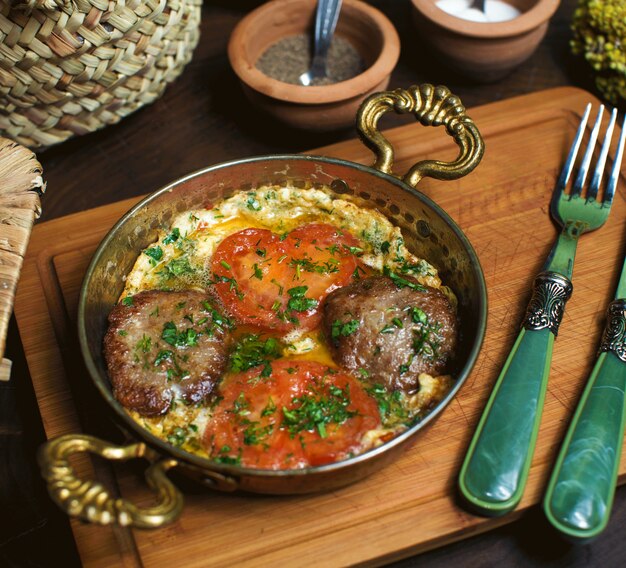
326 18
478 5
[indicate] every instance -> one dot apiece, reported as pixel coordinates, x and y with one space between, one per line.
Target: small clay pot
319 108
482 51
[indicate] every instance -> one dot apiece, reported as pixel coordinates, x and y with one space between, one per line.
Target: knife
580 492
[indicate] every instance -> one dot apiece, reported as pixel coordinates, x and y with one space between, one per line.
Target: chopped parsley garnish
298 302
356 251
258 273
252 203
225 264
356 275
127 301
178 267
251 351
217 319
163 355
390 405
255 434
308 265
173 372
270 408
144 344
421 267
172 237
343 329
184 338
315 411
384 247
225 459
241 405
233 286
418 315
426 341
178 436
396 323
403 282
280 287
155 254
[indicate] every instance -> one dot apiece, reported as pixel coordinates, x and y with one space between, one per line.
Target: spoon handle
478 5
325 22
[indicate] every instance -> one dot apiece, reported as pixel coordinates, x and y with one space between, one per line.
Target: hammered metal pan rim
164 448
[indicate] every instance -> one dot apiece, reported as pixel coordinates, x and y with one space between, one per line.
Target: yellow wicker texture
70 67
21 185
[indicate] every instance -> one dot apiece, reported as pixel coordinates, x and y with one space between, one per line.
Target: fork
497 463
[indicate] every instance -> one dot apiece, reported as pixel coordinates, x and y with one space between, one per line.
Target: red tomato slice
304 414
278 283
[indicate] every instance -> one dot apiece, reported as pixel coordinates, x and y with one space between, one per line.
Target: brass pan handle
89 500
432 106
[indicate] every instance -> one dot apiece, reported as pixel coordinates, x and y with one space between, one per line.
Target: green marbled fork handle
496 466
582 486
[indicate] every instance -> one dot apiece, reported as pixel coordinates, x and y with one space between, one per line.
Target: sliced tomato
303 414
278 282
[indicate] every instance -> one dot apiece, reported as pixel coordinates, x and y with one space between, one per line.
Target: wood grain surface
410 506
203 118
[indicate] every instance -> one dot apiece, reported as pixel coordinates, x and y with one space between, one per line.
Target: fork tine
571 156
584 166
617 162
594 186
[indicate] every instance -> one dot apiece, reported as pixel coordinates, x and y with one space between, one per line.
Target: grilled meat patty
390 330
161 344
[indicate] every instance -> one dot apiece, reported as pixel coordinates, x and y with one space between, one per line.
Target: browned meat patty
162 344
390 331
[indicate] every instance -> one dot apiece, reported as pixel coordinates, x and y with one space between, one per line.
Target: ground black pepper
288 58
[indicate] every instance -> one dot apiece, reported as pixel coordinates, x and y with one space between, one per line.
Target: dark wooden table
204 119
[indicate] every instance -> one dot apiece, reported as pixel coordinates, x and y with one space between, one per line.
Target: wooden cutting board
410 506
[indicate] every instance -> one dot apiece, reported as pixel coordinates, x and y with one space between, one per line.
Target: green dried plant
599 28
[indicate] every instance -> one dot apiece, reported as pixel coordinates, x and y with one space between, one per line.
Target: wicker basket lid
69 68
21 185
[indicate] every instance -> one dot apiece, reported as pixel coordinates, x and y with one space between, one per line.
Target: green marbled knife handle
495 469
582 486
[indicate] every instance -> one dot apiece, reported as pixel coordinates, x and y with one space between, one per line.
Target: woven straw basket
70 67
21 186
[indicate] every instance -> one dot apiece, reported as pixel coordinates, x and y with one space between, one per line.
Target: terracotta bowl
319 108
484 52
